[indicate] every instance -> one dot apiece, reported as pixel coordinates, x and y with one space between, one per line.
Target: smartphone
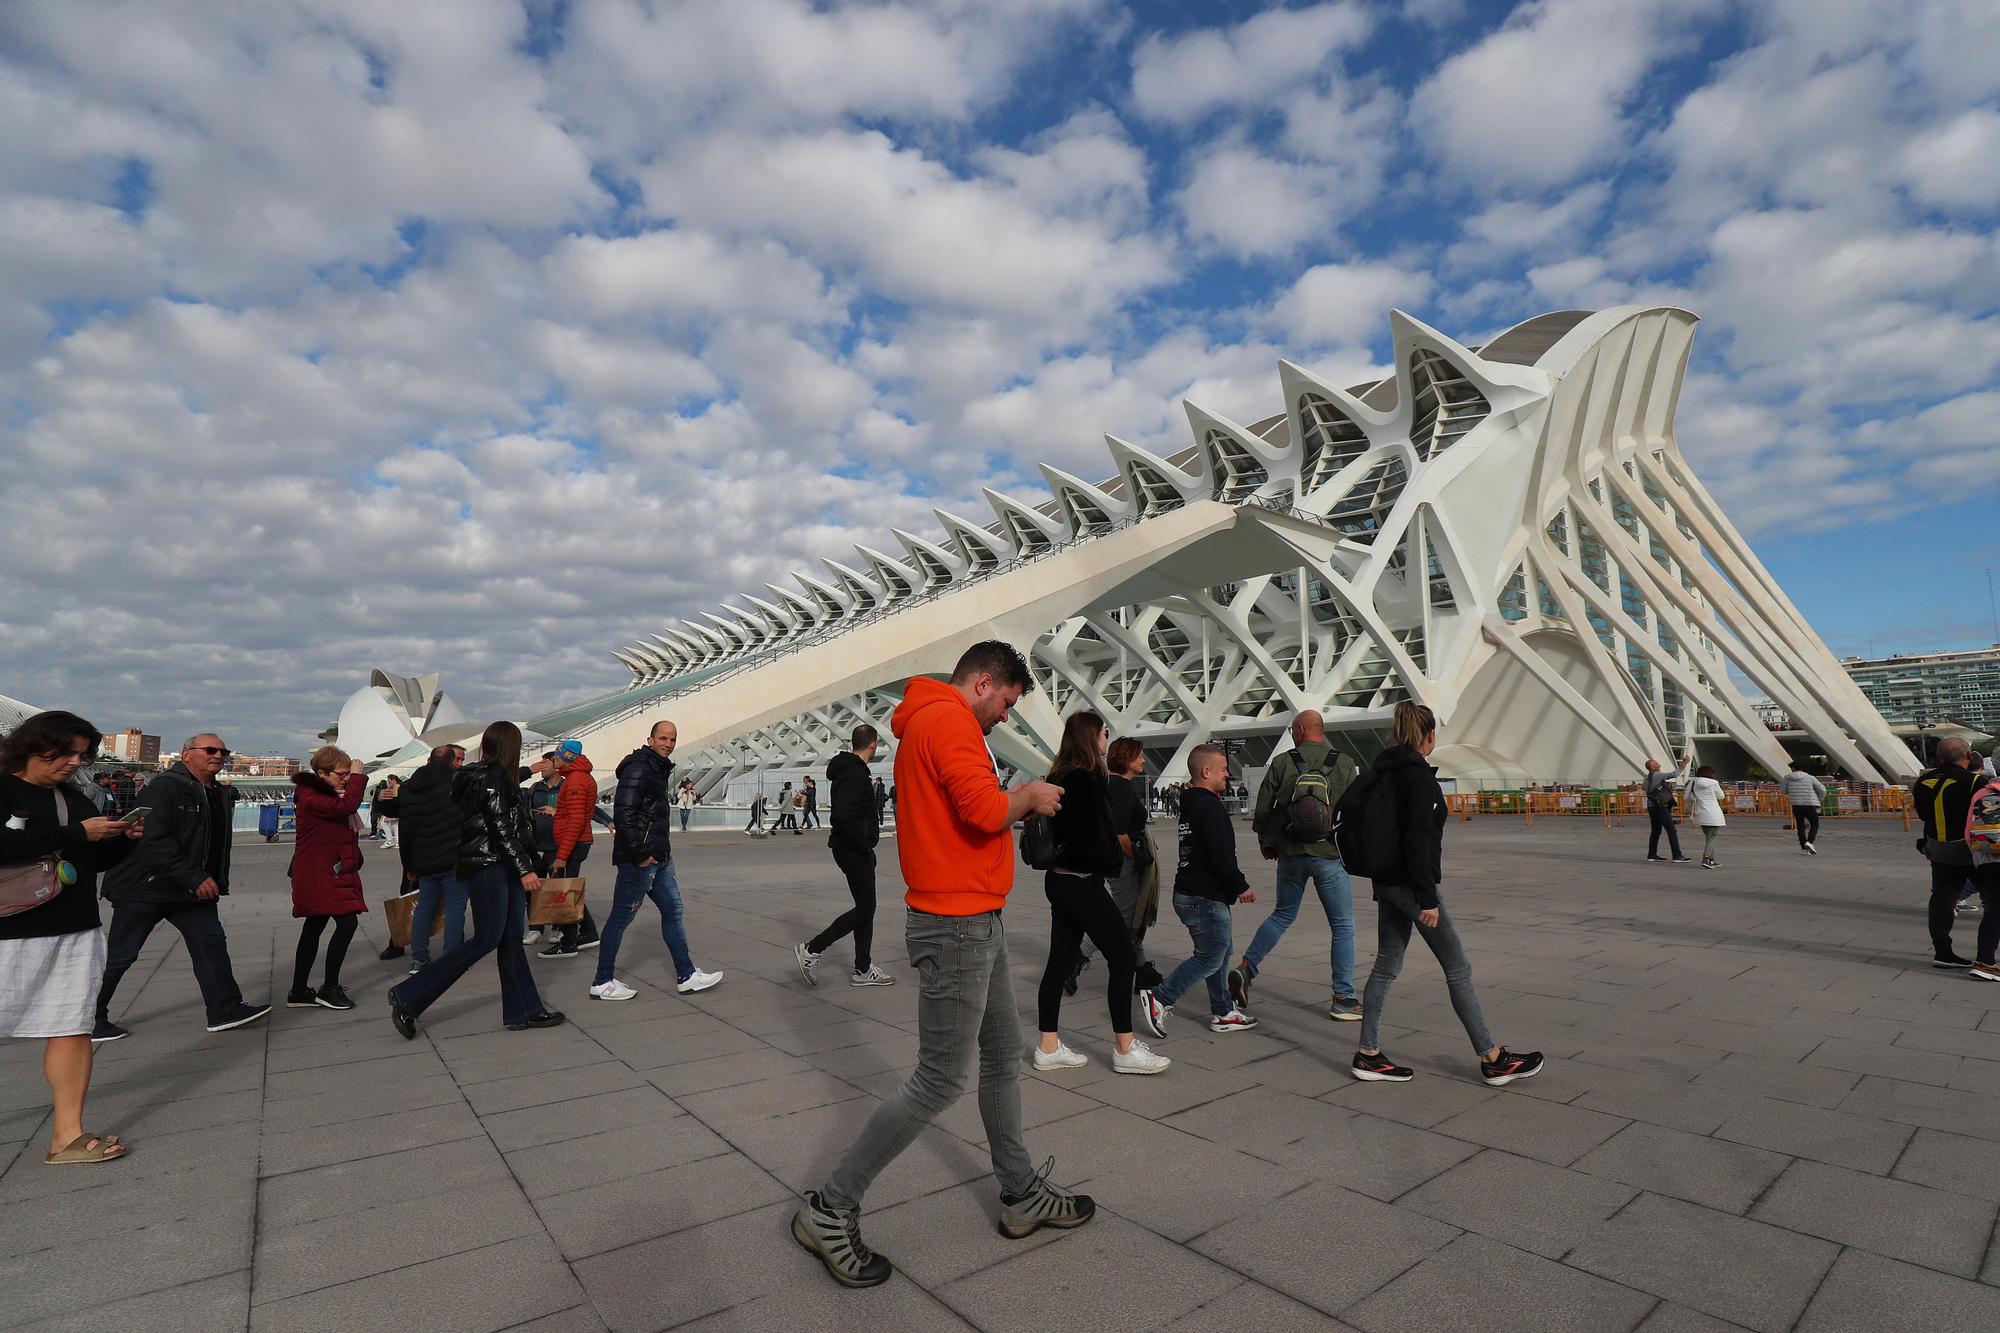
136 813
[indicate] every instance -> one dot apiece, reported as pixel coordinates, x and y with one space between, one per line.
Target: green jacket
1275 796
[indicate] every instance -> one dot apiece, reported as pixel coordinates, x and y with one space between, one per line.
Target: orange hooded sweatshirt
952 835
575 800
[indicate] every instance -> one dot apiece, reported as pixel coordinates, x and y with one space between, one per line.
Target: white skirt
48 985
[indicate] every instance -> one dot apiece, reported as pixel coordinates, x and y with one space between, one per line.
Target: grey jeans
1395 915
965 999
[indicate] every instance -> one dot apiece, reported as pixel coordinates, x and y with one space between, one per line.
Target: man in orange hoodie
576 802
954 837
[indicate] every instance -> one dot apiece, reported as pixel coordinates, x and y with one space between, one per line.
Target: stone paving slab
1763 1110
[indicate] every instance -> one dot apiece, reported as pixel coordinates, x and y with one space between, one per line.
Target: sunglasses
211 749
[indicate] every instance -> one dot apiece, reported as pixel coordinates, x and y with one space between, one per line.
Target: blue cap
570 749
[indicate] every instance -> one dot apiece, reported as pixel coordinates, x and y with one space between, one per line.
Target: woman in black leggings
326 872
1080 904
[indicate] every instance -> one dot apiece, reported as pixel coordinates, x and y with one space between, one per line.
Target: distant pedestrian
1406 896
881 802
1705 797
391 812
687 801
496 864
52 955
852 843
642 849
755 828
1943 796
177 874
957 854
1808 798
326 872
810 799
1207 881
541 796
1660 815
429 848
1294 827
576 802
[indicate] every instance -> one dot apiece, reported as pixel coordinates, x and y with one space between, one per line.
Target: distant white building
393 714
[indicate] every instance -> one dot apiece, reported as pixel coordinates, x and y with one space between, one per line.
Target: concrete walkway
1762 1109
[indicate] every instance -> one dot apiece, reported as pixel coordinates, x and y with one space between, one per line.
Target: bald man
1302 857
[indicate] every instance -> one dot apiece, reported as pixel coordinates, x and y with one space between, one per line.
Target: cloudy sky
473 337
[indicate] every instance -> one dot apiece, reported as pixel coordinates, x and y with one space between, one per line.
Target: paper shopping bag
559 902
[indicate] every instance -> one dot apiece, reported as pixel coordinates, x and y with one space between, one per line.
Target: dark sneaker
1044 1205
1239 986
561 950
301 999
1344 1011
1147 978
1510 1066
1379 1068
1682 860
834 1238
405 1021
1656 858
1948 961
393 951
106 1030
548 1018
332 997
240 1015
590 943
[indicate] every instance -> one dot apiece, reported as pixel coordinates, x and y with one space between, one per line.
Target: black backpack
1038 842
1365 826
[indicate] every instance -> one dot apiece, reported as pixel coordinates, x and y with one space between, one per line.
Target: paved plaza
1762 1109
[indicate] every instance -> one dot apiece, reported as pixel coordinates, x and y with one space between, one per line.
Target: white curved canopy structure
1510 535
387 714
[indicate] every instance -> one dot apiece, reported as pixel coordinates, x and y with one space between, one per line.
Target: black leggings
336 948
1080 907
858 920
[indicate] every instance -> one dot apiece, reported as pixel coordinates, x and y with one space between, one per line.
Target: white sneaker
531 937
1153 1014
613 989
1062 1057
874 976
1139 1060
1233 1021
1811 850
807 958
699 981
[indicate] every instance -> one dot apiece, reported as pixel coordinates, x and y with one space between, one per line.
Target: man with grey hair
1943 797
176 874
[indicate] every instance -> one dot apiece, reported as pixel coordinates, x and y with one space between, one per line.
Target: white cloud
1181 79
1251 204
1345 304
679 274
1954 164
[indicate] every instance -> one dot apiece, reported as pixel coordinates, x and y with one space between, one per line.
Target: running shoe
1062 1057
301 999
106 1030
1153 1014
1942 964
807 961
1233 1021
699 981
333 997
1043 1205
1379 1068
1510 1066
238 1016
613 989
1344 1010
1980 972
1141 1060
1239 986
561 950
874 976
1811 850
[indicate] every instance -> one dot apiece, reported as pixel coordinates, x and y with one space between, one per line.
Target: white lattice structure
1511 536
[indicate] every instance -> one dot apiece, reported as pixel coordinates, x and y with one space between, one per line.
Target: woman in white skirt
52 955
1705 797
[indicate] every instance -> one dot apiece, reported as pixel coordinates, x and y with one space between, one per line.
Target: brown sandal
81 1150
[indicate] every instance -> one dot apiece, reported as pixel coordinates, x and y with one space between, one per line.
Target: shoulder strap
62 807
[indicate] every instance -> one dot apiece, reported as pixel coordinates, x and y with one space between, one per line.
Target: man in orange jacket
576 802
954 837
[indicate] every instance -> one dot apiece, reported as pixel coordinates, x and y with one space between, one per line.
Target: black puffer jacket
1420 818
431 820
496 830
187 840
642 809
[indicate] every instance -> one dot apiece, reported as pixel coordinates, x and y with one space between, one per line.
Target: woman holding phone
496 863
52 955
326 872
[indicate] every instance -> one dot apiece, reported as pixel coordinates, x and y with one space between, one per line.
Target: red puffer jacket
326 862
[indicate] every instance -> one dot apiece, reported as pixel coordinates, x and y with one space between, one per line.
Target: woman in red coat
326 872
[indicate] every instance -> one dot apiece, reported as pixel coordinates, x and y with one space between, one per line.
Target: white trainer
1153 1014
1233 1021
1139 1060
613 989
531 937
1062 1057
874 976
699 981
807 960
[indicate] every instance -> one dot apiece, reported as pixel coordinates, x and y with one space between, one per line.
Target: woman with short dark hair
496 863
52 953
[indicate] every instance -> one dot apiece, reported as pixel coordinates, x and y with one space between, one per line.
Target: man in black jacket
1206 882
1943 794
852 843
642 850
176 874
429 847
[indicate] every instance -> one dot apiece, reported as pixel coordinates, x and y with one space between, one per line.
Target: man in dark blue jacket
642 850
1206 882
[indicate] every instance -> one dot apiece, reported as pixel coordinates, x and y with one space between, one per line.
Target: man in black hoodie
429 847
852 842
1206 882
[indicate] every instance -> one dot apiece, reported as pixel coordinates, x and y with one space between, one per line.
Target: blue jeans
1336 895
635 884
434 892
1208 922
497 922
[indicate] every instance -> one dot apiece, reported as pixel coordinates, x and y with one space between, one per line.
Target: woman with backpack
1080 904
1705 796
1403 812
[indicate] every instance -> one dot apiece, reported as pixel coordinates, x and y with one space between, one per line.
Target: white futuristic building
1509 534
394 714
